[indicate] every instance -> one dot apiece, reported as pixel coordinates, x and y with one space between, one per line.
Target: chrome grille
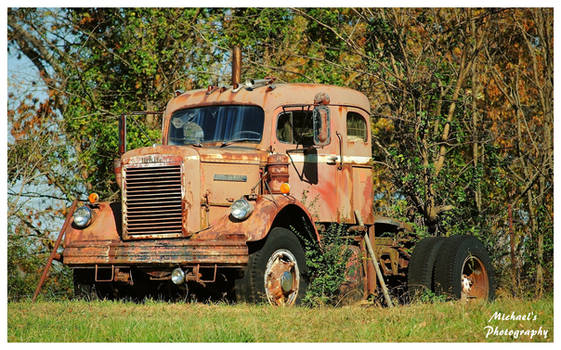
152 205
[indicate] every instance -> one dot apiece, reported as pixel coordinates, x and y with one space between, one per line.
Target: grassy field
78 321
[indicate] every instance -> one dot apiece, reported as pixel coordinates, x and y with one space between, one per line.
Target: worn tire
84 284
464 255
282 245
85 287
421 266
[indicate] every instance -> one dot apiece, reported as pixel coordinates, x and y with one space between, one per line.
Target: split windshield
222 124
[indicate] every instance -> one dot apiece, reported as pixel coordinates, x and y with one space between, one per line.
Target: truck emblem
229 177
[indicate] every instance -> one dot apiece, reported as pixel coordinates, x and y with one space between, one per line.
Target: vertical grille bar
152 205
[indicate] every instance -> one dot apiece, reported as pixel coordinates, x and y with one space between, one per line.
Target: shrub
26 261
327 264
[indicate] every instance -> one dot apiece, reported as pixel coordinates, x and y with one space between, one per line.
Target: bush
26 261
327 264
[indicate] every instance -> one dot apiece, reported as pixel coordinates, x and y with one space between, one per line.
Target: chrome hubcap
282 278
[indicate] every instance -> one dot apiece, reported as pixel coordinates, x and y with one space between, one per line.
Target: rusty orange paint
328 184
223 243
259 223
161 252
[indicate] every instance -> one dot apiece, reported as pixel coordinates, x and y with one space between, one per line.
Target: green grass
78 321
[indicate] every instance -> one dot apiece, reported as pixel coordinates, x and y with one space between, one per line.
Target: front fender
258 224
102 228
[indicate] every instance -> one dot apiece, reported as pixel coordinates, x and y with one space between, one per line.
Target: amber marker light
93 198
285 188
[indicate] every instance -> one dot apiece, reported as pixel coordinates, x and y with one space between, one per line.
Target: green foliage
138 60
439 82
327 264
25 265
428 296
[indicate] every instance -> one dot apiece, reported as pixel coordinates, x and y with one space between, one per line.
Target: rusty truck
244 175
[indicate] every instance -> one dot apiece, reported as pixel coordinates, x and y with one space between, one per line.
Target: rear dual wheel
463 269
421 266
458 267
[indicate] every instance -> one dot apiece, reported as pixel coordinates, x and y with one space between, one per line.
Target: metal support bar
378 272
374 260
54 252
195 275
122 134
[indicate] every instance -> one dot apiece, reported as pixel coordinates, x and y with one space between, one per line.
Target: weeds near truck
428 296
327 265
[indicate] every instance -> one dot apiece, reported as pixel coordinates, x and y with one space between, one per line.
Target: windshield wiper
229 142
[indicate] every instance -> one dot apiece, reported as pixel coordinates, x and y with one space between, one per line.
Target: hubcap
282 278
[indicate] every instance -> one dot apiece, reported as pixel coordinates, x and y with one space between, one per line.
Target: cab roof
270 99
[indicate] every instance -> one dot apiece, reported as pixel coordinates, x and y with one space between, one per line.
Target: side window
356 127
296 127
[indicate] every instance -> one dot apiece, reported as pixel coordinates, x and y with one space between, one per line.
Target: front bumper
161 252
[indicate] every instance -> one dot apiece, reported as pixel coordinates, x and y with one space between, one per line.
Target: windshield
195 126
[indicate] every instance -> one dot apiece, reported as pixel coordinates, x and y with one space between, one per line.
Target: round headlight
177 276
82 217
241 209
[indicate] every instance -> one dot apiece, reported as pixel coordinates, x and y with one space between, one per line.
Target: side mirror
322 133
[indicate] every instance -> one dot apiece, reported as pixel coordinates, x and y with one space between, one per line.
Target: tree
461 105
521 98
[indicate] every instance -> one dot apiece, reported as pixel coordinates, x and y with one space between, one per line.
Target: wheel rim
282 278
474 280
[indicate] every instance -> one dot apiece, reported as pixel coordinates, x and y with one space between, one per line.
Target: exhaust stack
236 66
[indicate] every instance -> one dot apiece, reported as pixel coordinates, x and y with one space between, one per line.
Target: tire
463 269
421 266
280 264
84 285
85 288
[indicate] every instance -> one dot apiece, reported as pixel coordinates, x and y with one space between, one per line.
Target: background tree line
462 111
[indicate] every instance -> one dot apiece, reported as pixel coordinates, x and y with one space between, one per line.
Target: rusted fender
102 228
259 223
256 227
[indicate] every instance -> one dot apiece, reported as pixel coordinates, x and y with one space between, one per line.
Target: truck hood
236 154
212 177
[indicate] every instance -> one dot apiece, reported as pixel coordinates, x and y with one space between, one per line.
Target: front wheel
85 287
276 273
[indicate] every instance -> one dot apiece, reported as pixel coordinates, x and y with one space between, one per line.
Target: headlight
82 217
241 209
177 276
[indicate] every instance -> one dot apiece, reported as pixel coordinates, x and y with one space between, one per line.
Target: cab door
357 153
312 169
